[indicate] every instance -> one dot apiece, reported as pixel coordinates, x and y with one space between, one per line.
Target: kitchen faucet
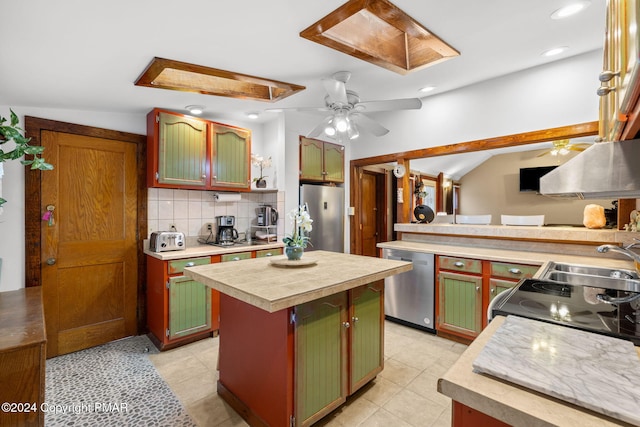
625 251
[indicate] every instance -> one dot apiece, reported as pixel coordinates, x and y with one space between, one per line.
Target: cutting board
594 371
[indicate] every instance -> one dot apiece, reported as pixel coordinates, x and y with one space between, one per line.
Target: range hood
604 170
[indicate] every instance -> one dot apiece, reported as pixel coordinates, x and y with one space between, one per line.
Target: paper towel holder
227 197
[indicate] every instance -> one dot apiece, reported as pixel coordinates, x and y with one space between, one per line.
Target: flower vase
293 253
261 183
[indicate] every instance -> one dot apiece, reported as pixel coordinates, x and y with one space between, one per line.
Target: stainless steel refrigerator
326 208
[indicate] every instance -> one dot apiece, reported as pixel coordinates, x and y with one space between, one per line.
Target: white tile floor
403 394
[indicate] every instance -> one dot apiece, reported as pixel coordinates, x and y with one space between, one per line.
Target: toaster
162 241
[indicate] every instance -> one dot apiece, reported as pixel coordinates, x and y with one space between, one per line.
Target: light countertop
491 254
513 404
564 233
259 283
195 249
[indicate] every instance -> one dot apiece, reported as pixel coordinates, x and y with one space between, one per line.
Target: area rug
114 384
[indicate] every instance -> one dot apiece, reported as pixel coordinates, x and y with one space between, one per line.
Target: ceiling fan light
330 131
353 132
342 124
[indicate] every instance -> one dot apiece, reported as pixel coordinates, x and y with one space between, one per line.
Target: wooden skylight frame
379 32
175 75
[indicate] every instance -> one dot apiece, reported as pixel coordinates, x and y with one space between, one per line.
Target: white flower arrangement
301 225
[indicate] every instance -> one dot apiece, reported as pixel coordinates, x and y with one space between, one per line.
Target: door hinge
157 176
167 284
157 118
292 318
167 333
292 421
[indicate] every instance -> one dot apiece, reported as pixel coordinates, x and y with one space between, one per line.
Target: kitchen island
296 341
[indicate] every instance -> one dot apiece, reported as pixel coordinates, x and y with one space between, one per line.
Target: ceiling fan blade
301 109
336 90
389 105
365 123
316 131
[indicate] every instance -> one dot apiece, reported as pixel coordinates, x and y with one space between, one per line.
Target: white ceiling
86 55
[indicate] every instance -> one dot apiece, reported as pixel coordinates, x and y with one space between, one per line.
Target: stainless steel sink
598 277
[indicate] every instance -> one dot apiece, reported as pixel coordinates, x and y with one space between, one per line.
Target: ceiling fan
563 147
347 116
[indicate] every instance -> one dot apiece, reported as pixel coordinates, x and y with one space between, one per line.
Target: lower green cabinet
460 303
189 307
338 348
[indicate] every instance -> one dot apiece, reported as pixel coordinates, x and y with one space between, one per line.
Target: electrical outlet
209 227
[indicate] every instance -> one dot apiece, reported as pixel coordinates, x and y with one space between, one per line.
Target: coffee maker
226 235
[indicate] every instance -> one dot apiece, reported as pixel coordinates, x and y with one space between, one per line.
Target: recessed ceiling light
195 109
555 51
253 115
427 89
570 9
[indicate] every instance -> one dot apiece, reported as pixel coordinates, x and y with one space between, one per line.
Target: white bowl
522 220
473 219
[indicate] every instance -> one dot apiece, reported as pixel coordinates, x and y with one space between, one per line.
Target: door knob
51 261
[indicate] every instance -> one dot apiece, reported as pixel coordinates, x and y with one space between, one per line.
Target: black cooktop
574 306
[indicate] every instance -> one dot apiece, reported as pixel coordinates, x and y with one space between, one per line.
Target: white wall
558 94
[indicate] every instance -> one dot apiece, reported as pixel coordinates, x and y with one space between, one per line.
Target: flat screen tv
530 178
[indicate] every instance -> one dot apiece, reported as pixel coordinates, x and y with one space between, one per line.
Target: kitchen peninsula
296 341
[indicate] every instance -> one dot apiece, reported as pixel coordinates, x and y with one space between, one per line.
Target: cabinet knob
214 177
492 290
459 264
51 261
515 271
607 75
477 288
346 324
605 90
268 254
354 319
236 258
190 264
204 176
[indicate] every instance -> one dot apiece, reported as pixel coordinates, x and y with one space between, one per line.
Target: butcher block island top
260 283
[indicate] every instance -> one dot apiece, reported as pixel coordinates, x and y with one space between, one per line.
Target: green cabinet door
189 307
367 349
460 303
497 286
320 357
182 150
230 157
311 159
333 162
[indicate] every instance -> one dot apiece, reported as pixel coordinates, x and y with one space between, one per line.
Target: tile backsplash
191 210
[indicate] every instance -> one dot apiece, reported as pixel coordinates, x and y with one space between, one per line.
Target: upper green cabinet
191 153
231 156
321 161
182 150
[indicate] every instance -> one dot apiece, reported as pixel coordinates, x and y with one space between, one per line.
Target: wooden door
230 157
89 253
372 214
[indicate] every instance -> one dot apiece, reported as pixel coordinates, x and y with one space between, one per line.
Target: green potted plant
13 133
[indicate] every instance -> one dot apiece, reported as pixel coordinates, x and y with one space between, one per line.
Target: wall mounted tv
530 178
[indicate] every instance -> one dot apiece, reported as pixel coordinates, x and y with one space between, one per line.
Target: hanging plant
12 132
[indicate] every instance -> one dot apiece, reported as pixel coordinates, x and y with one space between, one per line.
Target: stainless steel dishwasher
409 297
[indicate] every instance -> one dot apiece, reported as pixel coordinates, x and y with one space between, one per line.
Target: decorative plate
295 263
